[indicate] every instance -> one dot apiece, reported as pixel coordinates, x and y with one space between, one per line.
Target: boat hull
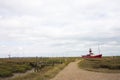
95 56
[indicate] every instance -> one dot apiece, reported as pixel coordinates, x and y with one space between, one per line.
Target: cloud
59 27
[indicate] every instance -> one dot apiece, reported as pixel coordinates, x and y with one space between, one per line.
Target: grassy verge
45 73
108 64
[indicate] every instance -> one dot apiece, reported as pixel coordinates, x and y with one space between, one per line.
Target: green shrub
5 73
20 68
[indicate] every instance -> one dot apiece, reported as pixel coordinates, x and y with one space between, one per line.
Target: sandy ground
73 72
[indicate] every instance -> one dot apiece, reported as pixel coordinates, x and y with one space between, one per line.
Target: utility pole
9 56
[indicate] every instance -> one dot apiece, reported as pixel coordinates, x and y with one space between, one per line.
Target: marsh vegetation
105 64
44 68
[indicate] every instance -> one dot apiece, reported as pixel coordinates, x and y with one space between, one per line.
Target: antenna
98 48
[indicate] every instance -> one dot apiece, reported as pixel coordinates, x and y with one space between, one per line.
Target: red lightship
91 55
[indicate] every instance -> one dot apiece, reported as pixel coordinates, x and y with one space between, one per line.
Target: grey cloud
59 26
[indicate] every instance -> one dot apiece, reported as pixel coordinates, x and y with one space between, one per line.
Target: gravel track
73 72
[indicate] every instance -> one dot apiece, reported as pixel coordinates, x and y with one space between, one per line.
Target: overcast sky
59 27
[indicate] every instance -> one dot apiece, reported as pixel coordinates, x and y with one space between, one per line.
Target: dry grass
45 74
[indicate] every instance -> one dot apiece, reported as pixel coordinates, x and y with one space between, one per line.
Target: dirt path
72 72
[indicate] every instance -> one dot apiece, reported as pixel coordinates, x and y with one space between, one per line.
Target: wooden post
36 65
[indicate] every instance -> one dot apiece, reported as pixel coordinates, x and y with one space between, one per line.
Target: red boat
91 55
